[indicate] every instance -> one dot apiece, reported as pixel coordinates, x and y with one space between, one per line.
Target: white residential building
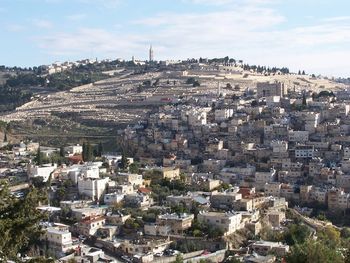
133 179
74 149
273 189
227 222
89 226
58 237
223 114
261 178
113 198
93 188
279 146
298 136
43 171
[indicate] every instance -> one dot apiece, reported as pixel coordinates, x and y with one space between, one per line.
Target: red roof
144 190
89 220
245 191
76 159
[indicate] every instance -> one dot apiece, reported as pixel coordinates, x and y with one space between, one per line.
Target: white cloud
250 32
337 19
76 17
15 28
86 40
42 23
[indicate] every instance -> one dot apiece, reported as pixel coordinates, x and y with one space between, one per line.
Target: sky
311 35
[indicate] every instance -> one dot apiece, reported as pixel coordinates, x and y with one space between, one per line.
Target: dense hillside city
200 160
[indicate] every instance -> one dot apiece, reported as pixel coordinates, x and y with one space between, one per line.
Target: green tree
190 80
62 151
330 236
345 232
5 137
99 149
179 259
38 181
124 163
84 151
134 167
313 251
87 152
39 157
196 84
19 222
296 234
304 99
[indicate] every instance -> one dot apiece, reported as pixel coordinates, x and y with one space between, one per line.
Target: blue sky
311 34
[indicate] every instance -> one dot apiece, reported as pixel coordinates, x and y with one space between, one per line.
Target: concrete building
58 237
276 217
138 200
169 224
224 200
304 151
112 198
133 179
223 114
90 225
93 188
273 189
266 89
43 171
227 222
298 136
74 149
117 218
266 247
338 199
261 178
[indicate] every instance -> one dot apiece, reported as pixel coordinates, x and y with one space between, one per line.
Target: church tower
151 55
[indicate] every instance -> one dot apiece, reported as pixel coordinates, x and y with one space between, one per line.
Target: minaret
151 55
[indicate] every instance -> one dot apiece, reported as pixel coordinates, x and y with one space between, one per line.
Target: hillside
101 108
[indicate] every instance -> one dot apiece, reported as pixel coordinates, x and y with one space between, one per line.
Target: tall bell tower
151 54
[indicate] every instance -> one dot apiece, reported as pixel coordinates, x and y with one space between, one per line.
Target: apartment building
227 222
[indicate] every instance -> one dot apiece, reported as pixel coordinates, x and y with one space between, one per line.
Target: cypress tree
61 151
84 152
124 164
100 149
38 158
304 99
89 152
